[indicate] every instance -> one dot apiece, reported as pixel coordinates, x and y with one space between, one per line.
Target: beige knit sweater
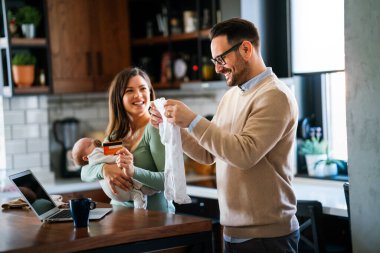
251 138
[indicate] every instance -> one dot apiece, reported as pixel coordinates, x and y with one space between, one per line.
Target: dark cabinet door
111 44
70 36
89 43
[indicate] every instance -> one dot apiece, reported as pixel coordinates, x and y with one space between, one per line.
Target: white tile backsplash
6 104
14 117
37 116
45 159
27 161
38 145
16 147
26 136
25 131
28 121
43 102
7 132
44 131
86 113
9 162
24 103
60 113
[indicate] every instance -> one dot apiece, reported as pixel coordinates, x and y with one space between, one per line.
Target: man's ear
85 158
246 49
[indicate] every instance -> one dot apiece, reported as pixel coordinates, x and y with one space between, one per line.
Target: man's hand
178 113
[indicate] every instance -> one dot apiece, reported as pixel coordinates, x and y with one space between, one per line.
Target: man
250 138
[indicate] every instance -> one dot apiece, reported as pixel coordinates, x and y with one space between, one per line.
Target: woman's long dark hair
119 123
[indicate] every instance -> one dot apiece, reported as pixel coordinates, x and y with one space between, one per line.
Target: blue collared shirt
244 87
254 81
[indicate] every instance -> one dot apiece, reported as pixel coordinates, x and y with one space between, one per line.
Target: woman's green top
149 162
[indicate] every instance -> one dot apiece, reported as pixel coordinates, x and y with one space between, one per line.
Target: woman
129 98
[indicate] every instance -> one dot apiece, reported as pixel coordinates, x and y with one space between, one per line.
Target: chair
309 214
313 238
346 187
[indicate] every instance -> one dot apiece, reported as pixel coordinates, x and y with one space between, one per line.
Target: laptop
42 204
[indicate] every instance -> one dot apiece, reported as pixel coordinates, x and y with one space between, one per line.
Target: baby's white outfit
175 179
139 192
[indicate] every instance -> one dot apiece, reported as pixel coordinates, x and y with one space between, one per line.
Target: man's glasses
220 58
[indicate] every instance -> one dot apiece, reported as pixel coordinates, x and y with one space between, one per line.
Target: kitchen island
123 230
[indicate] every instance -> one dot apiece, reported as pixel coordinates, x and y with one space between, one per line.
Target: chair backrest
346 187
309 214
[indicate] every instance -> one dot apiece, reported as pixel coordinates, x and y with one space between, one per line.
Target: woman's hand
114 176
125 162
155 115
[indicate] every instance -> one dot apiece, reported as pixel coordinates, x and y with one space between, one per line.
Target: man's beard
241 71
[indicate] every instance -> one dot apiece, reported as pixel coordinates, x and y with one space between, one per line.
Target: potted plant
12 23
29 18
328 167
23 69
314 150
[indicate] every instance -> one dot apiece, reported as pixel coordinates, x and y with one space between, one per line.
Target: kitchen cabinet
89 43
12 41
170 39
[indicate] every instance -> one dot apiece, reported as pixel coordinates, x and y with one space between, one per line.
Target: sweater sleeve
153 177
91 173
195 151
272 118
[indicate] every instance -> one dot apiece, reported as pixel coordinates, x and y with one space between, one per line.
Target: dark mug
80 211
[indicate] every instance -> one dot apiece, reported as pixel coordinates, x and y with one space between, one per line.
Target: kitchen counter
60 186
329 193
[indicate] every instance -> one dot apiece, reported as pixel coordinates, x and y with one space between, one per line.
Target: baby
90 151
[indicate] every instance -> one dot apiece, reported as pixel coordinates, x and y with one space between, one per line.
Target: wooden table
123 230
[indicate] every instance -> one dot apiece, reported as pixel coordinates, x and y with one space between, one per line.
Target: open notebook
42 204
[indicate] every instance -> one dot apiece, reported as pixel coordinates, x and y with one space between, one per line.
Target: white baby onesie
175 180
139 192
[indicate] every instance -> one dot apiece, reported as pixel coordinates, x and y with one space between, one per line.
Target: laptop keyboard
65 213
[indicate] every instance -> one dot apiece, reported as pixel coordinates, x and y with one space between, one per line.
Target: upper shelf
174 37
37 42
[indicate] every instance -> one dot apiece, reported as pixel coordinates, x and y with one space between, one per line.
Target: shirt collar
255 80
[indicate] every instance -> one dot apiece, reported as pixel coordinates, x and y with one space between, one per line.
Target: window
317 41
334 113
317 36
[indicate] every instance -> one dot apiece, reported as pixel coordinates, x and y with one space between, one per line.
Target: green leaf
313 146
23 58
28 15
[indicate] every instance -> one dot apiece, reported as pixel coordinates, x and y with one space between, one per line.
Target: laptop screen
34 193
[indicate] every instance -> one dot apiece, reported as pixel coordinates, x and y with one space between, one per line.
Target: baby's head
82 148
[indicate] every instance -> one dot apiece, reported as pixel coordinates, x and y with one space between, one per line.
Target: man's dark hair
236 30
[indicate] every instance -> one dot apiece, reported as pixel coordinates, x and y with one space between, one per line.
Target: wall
362 36
25 134
90 109
273 21
26 139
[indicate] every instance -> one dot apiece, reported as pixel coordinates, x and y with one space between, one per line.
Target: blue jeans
282 244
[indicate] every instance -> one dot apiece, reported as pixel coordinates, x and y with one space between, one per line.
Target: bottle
42 77
207 69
